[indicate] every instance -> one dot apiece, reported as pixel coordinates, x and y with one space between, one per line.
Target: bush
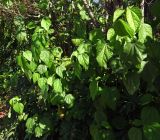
80 70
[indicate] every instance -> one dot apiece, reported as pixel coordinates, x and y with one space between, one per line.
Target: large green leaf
36 76
57 86
133 16
135 134
82 55
32 66
59 70
45 56
110 34
77 41
42 69
42 83
83 59
46 23
50 80
134 53
122 28
117 14
131 82
18 107
84 48
103 53
69 99
150 115
28 55
144 32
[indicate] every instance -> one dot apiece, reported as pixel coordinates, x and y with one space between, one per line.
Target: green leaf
59 70
150 115
134 53
103 53
100 117
133 16
77 69
77 41
111 96
36 76
14 100
31 25
46 23
80 28
57 86
98 133
30 123
18 107
50 81
83 59
110 34
82 54
122 28
38 131
151 132
32 66
45 57
117 14
95 35
84 48
28 55
131 82
146 99
135 134
21 36
137 122
19 61
69 99
84 15
42 69
144 32
93 87
149 74
43 126
57 52
42 83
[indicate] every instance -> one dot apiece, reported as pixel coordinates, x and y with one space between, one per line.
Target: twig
142 8
86 4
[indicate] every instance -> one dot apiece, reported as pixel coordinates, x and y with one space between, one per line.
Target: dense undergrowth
79 70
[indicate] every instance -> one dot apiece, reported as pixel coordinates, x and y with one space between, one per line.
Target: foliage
74 70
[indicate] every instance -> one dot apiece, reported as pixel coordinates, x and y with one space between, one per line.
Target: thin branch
142 8
90 13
